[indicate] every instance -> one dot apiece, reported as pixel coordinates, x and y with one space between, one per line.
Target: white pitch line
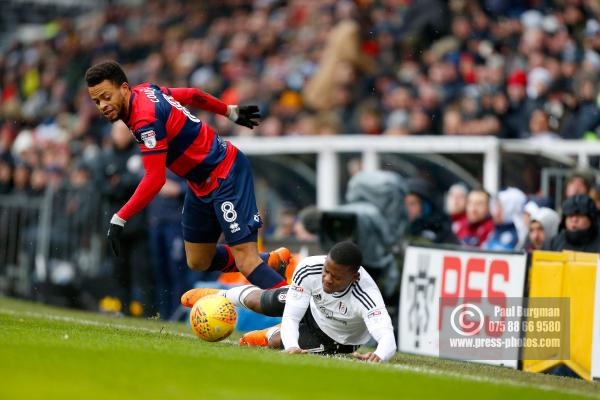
90 322
422 370
497 381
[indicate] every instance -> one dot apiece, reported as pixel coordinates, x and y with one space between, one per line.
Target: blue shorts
229 209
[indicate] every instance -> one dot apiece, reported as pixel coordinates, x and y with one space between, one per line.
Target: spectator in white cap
543 225
507 212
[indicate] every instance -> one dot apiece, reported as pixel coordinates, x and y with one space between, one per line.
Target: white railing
327 149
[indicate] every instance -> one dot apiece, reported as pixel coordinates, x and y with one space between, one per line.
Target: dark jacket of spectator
586 240
429 225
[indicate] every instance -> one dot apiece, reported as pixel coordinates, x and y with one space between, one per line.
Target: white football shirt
348 317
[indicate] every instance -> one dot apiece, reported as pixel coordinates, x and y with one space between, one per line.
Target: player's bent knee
198 264
252 301
199 255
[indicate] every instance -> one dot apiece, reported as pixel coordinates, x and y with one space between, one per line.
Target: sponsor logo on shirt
235 227
149 139
281 297
297 291
329 315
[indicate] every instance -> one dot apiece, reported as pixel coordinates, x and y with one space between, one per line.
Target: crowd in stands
524 69
508 221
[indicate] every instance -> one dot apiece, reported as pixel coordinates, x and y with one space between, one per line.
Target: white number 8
229 213
178 106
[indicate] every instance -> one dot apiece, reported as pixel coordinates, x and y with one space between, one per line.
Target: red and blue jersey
171 137
160 123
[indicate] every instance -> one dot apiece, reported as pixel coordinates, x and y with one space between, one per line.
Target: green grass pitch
51 353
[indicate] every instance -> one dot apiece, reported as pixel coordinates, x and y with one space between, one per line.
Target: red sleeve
198 99
155 165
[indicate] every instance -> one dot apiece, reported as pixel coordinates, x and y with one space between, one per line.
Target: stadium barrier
596 330
50 239
431 274
329 150
436 280
570 275
22 223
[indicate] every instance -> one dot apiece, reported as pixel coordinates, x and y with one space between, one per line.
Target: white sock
238 294
272 331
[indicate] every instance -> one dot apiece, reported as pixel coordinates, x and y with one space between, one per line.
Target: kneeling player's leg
268 337
268 302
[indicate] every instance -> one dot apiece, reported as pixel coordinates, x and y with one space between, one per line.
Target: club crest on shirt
149 139
342 308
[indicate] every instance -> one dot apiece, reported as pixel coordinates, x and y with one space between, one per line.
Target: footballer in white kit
332 306
348 314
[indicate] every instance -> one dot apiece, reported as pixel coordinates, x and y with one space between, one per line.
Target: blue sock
223 260
264 256
265 278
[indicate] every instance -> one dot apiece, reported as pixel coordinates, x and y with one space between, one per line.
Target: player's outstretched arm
148 188
247 116
380 327
296 304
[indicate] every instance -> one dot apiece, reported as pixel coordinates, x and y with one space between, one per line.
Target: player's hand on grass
247 116
295 350
370 356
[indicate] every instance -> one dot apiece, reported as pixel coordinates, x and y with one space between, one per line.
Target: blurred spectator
456 205
21 176
6 174
579 181
539 128
478 225
595 195
308 224
286 222
585 118
516 121
578 228
543 226
426 223
507 209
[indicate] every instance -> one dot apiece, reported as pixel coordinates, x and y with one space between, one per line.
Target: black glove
247 116
114 238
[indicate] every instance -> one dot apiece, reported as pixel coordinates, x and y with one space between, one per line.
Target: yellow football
213 318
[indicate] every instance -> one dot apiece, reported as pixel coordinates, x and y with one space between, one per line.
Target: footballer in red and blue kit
220 196
220 190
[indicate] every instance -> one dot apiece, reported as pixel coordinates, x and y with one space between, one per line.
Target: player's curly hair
346 253
106 70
